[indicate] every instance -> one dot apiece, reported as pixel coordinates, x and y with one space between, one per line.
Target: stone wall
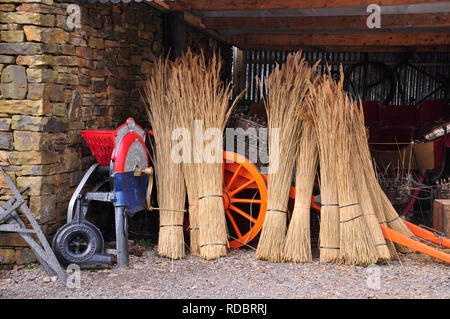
56 82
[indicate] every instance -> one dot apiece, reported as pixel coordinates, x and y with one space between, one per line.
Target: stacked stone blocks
56 81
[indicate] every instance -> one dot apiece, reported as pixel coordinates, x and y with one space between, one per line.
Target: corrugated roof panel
394 78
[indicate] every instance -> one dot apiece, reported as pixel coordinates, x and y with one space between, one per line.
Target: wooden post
174 34
239 72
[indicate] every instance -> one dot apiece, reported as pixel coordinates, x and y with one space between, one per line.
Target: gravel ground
239 275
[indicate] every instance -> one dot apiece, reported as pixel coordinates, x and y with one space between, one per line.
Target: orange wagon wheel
244 197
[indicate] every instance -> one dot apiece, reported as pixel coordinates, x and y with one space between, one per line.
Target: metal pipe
121 237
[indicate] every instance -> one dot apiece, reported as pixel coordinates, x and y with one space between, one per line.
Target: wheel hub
78 244
226 199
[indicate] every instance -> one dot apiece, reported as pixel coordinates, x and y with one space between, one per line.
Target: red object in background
397 125
389 125
439 150
398 115
431 111
371 111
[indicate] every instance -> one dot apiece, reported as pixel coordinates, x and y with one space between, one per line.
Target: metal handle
147 171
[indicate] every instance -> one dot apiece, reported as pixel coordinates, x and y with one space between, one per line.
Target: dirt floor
239 275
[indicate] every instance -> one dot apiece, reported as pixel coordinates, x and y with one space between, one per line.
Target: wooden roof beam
337 22
189 18
282 4
341 40
438 48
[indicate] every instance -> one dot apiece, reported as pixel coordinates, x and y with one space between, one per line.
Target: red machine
120 154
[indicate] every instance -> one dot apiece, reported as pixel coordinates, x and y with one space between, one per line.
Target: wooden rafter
194 20
321 22
282 4
158 4
342 40
379 48
189 18
415 31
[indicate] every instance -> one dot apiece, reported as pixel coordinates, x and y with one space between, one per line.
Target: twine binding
206 196
349 205
276 210
349 220
172 225
390 221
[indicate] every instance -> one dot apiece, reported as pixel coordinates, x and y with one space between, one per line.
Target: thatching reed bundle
185 104
349 232
297 247
356 242
375 195
324 114
211 99
393 220
169 179
286 89
368 209
371 205
384 211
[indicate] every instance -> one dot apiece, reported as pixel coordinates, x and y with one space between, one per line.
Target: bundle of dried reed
370 202
210 99
384 211
297 247
169 179
377 202
356 242
286 89
393 220
324 114
185 104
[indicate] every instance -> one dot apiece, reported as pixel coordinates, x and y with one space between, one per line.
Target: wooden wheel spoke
233 222
243 181
242 187
245 201
233 178
242 213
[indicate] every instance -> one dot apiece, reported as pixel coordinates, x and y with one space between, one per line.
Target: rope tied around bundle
276 210
208 196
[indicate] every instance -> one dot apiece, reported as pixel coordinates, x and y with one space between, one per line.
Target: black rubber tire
70 237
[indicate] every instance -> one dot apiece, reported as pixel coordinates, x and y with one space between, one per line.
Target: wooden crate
441 216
